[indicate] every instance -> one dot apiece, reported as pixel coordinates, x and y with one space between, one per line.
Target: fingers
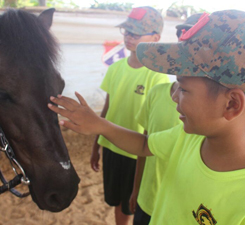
68 103
62 112
95 167
70 125
81 99
82 118
131 205
67 99
94 161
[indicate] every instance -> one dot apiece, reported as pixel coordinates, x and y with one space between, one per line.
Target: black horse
28 76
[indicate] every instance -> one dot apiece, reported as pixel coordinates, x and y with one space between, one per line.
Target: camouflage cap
143 20
213 48
190 21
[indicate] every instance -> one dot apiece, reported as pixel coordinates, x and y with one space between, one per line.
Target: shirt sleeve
161 78
105 85
162 143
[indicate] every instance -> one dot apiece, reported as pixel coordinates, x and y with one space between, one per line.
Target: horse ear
46 17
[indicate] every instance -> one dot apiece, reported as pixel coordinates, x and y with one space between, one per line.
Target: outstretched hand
82 118
85 121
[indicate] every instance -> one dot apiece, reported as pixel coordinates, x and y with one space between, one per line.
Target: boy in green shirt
127 83
205 178
158 113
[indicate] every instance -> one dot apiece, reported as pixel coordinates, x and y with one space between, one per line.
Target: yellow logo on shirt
204 216
140 89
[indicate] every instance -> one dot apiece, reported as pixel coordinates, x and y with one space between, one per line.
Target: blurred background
87 34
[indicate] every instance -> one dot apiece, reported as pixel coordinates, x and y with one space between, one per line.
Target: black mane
26 42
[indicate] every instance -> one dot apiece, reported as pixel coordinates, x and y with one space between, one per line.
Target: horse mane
26 42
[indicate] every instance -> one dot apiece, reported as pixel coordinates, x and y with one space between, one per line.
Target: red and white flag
114 51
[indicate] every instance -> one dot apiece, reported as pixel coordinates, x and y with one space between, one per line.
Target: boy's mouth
128 43
181 116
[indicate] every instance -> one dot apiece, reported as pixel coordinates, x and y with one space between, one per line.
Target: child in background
205 178
127 83
158 113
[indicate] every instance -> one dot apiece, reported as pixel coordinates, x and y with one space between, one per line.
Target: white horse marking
66 165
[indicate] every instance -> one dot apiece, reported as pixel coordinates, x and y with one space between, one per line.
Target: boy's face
131 42
200 112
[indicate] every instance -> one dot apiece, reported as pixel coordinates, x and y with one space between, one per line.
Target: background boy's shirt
190 192
157 113
127 88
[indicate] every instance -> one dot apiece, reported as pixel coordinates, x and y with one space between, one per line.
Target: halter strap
19 178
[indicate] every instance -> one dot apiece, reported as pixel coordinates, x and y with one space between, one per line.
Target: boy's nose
175 95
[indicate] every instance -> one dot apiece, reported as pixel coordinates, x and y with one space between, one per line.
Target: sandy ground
88 208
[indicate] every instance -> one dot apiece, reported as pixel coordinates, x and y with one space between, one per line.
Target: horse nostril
57 201
54 201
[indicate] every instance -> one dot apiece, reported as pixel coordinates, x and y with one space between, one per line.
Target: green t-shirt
190 192
127 88
157 113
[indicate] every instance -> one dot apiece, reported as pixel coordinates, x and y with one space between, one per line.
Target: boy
127 83
205 179
158 113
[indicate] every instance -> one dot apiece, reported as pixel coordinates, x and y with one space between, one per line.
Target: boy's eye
181 89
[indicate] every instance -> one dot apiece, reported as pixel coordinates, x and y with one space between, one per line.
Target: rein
20 177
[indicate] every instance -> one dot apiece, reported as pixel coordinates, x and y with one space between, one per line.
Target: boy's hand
94 160
82 118
133 201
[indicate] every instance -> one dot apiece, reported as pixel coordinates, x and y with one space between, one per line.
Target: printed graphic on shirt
140 89
204 216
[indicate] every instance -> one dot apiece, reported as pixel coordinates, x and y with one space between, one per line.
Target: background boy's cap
143 20
190 21
214 48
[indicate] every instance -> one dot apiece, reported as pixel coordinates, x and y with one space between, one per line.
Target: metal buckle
6 148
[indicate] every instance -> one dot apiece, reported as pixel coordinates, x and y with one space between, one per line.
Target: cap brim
121 24
128 26
183 26
171 58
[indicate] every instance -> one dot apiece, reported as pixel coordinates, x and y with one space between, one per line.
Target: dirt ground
88 208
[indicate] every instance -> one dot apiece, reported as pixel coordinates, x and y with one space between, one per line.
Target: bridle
19 177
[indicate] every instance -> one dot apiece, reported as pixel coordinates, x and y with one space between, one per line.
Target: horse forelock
26 42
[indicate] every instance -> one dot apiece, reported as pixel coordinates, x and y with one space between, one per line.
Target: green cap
213 48
143 20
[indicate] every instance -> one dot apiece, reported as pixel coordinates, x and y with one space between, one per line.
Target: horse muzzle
57 194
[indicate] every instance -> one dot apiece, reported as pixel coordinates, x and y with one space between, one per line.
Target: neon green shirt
157 113
190 192
127 88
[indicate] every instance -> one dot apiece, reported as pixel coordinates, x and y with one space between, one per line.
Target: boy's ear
235 105
156 37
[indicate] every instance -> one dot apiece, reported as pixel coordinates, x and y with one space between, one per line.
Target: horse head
28 76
